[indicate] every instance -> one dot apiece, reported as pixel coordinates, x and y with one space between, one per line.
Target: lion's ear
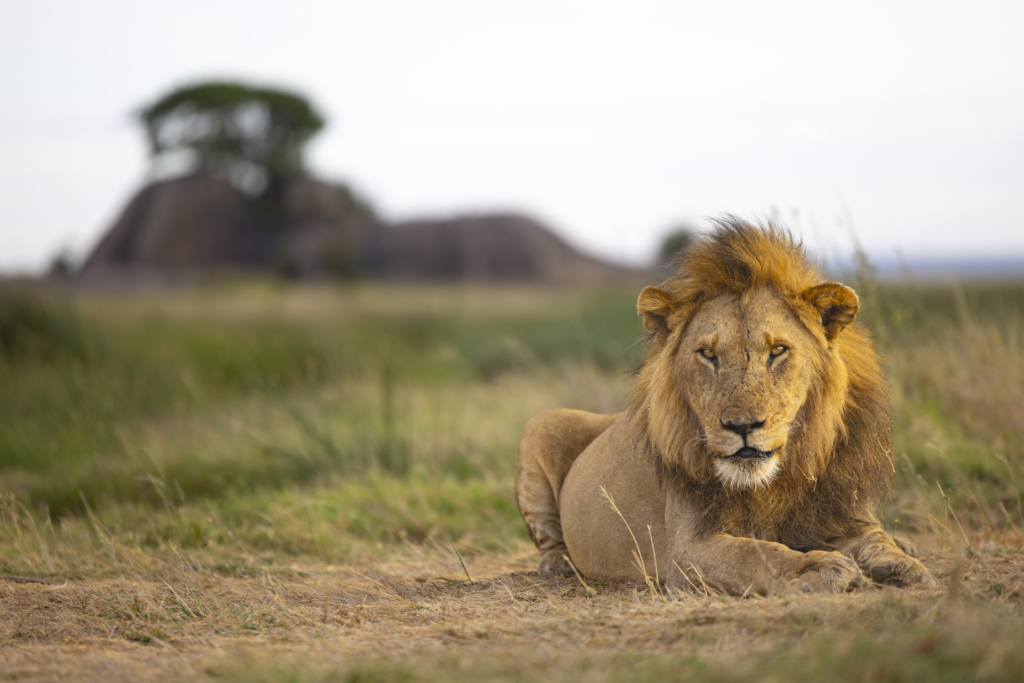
836 303
655 306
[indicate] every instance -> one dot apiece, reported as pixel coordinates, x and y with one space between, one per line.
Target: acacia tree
252 136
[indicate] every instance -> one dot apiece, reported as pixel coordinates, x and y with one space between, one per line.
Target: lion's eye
778 350
708 353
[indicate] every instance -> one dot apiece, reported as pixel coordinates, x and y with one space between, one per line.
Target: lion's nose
743 427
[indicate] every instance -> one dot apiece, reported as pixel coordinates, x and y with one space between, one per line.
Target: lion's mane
837 466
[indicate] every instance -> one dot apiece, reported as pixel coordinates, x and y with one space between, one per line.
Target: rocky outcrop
198 224
184 229
488 248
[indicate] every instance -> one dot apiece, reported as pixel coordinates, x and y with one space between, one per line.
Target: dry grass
416 610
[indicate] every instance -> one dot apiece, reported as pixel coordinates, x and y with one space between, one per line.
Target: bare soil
423 610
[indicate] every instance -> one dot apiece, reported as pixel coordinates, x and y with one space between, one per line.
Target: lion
755 447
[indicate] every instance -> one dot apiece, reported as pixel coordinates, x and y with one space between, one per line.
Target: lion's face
741 367
745 366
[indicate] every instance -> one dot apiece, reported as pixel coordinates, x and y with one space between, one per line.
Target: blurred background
900 123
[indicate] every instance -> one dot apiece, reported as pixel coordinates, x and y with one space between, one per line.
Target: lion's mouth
748 453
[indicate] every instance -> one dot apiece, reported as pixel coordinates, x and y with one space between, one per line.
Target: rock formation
192 225
186 228
486 248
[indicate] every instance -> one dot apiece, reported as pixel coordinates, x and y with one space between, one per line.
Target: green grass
247 534
201 412
105 391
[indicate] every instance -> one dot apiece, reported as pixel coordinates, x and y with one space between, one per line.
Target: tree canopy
253 136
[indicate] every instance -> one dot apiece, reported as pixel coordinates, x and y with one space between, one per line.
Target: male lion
755 448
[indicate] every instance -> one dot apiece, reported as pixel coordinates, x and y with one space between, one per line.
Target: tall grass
956 363
228 390
226 404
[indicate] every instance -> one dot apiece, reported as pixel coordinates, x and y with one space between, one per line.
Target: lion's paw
902 571
554 564
827 572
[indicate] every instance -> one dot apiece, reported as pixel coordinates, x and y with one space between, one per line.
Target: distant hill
485 248
184 229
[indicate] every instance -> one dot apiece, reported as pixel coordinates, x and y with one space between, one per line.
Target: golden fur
837 465
756 444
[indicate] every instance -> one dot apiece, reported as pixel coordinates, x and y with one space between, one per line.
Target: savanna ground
259 482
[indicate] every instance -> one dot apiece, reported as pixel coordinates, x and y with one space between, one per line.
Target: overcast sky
609 121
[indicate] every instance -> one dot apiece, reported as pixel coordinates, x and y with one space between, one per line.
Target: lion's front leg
884 561
745 566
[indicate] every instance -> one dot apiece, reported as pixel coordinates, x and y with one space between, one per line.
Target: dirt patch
409 610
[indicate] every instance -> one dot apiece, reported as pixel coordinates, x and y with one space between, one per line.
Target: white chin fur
746 473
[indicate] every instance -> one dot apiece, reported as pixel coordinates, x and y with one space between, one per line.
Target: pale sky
609 121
